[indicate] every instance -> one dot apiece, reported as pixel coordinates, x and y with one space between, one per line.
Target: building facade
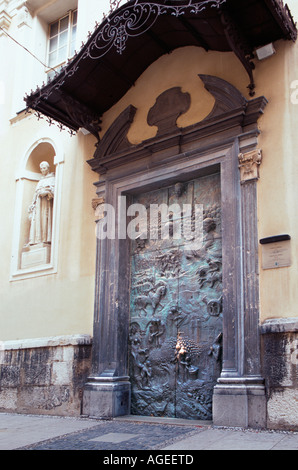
187 107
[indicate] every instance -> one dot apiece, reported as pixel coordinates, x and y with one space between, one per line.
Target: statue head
44 168
179 188
209 224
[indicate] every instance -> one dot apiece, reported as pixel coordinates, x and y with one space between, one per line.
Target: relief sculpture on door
175 336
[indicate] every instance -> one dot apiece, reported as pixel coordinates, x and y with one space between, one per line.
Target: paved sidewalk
28 432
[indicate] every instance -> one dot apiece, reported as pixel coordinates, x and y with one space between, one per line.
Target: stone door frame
226 142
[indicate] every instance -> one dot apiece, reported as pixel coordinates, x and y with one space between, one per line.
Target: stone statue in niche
37 250
41 209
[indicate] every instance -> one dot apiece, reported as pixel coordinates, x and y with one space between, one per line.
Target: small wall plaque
276 254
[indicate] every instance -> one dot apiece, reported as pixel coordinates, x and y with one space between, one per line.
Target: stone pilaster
107 390
239 400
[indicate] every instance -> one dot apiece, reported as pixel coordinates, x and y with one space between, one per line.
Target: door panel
176 309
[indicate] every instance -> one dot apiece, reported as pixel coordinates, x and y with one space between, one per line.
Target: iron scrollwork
136 18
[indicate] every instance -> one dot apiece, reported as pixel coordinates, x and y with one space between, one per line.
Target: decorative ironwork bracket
82 115
239 46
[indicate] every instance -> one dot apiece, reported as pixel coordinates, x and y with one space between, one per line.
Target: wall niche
38 187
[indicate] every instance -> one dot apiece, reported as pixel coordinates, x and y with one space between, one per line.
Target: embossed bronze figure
176 312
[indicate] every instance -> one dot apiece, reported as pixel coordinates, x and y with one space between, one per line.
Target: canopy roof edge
131 38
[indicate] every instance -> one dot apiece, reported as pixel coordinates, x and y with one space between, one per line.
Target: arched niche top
44 151
44 148
23 265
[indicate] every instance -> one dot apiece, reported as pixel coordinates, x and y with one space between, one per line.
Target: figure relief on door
175 335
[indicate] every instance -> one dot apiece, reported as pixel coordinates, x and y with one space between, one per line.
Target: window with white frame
62 40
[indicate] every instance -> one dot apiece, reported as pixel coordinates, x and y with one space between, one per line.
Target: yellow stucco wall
62 303
277 189
179 68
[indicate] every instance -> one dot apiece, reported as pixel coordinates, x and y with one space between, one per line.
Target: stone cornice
5 17
53 341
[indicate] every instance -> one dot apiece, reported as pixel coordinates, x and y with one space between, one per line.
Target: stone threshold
161 420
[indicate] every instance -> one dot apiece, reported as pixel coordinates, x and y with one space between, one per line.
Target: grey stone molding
52 341
280 325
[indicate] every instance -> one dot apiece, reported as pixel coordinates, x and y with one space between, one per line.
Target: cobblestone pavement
123 436
115 435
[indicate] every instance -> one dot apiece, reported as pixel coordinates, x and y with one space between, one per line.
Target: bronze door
175 335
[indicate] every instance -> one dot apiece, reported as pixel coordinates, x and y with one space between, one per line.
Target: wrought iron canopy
137 34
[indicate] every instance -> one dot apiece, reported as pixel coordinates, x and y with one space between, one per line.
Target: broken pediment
230 109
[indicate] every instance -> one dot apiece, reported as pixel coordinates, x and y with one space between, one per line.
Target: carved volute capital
98 207
96 202
249 165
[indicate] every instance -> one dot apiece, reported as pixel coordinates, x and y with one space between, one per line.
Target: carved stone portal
175 342
175 331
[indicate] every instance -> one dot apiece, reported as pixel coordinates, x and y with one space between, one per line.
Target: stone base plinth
44 375
106 397
239 405
280 369
36 255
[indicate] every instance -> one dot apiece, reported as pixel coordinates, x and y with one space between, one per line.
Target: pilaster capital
98 205
249 165
97 201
